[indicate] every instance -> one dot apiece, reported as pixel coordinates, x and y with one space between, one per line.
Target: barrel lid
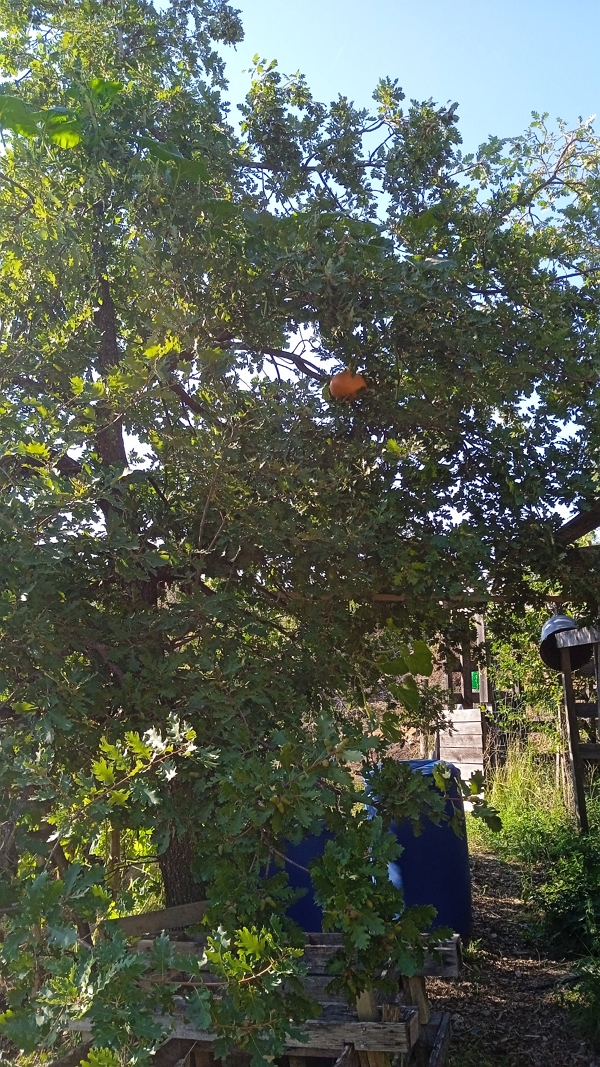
427 766
549 651
556 624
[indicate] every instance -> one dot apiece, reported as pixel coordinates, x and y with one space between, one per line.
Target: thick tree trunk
175 864
109 436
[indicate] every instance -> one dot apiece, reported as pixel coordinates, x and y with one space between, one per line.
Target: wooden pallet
375 1031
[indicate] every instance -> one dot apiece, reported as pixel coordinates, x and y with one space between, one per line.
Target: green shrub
584 1000
568 901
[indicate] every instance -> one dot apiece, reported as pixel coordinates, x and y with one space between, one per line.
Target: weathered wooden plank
587 635
445 962
463 715
367 1010
462 739
390 1013
323 939
468 754
441 1044
365 1036
317 957
590 752
202 1040
582 523
316 986
313 1053
329 1036
151 922
367 1007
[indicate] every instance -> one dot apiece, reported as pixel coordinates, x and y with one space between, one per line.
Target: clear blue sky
500 59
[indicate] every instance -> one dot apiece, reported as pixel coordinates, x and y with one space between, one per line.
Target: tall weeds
532 806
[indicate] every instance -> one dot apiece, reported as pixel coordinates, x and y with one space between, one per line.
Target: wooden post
597 666
367 1010
415 992
484 694
573 736
467 667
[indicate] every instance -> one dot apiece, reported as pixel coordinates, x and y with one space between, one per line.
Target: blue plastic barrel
305 911
434 865
432 869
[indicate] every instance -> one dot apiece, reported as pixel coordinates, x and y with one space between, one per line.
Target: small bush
568 901
584 1000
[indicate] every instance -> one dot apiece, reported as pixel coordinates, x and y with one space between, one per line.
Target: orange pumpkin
345 385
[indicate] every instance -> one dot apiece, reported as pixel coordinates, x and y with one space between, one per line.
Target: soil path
506 1006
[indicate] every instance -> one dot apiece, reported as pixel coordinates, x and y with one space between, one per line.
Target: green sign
475 680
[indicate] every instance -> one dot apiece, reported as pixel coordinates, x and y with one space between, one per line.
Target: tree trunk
109 435
175 867
175 863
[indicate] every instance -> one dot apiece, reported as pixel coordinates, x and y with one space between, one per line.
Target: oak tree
209 565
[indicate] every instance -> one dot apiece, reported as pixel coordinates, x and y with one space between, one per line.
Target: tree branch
189 401
279 353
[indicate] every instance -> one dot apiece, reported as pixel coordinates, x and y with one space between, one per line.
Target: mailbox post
579 645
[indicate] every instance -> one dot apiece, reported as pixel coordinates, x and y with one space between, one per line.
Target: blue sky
500 59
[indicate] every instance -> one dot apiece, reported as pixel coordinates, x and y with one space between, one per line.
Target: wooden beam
324 1038
365 1036
586 710
573 736
367 1010
442 961
441 1043
152 922
415 993
590 752
582 523
467 666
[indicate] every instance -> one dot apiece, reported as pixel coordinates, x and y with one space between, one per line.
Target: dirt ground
506 1007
